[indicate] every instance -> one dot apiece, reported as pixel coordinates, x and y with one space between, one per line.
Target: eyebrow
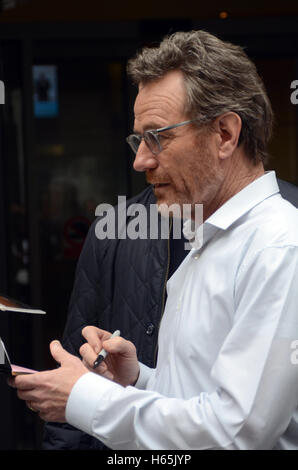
151 126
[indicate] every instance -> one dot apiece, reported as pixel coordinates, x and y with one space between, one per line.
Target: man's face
187 171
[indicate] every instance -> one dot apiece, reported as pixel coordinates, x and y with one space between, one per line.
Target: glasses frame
153 133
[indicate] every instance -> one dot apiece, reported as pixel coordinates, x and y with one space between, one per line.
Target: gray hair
219 77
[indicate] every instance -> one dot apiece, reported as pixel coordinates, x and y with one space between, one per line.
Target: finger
11 382
88 354
89 357
26 395
32 406
95 337
24 382
119 345
101 369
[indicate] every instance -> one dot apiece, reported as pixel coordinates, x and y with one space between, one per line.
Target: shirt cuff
83 400
144 375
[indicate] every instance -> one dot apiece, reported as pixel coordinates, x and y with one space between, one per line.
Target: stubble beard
200 189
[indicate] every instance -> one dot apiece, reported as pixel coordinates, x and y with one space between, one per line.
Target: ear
228 128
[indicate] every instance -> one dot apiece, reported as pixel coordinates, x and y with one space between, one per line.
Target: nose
144 159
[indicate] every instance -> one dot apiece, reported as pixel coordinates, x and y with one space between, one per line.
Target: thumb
58 352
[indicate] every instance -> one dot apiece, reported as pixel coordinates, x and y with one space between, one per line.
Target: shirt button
196 257
150 329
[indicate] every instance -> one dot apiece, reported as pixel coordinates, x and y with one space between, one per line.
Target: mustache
154 179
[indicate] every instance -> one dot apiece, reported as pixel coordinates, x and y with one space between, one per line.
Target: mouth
160 185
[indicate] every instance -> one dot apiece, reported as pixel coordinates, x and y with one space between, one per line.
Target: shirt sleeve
144 376
257 385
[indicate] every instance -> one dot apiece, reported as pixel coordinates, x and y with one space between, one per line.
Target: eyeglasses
151 138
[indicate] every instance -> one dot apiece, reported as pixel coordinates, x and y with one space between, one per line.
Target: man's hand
120 365
47 392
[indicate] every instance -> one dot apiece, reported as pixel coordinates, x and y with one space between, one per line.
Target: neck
239 172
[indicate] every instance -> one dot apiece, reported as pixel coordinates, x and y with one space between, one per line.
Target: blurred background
68 108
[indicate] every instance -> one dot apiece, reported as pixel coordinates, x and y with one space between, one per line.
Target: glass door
80 162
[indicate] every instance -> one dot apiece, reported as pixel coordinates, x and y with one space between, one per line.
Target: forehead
161 101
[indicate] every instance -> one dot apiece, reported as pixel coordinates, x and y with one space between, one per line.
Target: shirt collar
238 205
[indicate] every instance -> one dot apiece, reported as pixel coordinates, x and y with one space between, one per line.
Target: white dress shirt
224 377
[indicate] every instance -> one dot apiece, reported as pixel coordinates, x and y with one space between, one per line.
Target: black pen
103 353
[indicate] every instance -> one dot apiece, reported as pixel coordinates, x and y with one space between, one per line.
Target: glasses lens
152 141
134 141
150 138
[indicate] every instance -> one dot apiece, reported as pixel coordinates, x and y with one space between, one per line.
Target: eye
164 136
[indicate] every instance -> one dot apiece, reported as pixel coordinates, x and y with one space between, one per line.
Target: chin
169 208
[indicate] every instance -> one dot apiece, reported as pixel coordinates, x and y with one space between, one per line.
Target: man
102 296
224 377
